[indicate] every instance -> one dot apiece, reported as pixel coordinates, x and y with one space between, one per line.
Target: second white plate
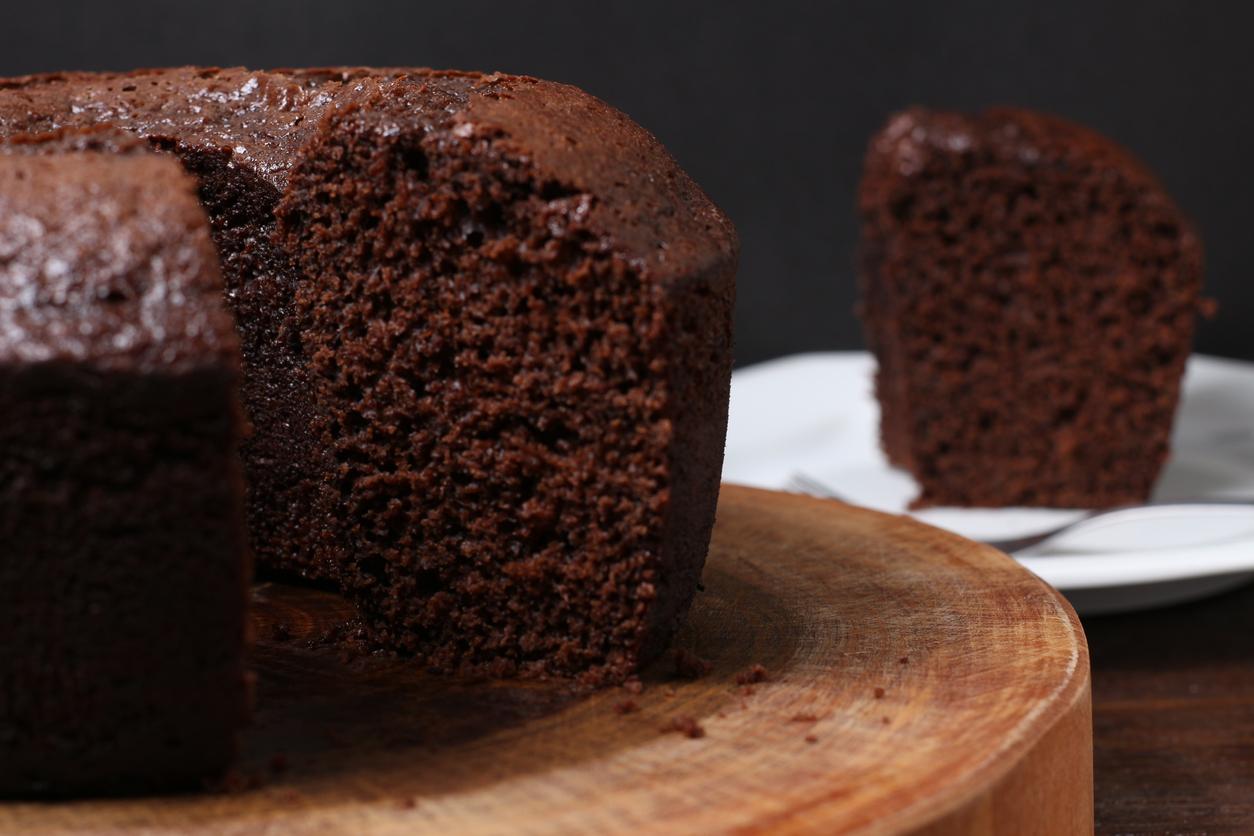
816 414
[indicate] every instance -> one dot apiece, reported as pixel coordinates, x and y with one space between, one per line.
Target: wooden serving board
919 684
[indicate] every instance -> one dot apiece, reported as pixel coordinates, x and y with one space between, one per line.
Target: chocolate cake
486 335
1029 292
123 581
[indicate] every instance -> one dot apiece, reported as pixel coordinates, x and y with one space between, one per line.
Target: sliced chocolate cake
1029 292
486 331
123 581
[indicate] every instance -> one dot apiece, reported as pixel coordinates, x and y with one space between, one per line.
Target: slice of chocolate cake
486 329
123 576
1029 292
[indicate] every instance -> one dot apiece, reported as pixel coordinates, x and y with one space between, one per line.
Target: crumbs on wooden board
689 665
627 706
686 725
751 675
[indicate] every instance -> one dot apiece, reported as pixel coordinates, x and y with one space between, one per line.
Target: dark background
769 104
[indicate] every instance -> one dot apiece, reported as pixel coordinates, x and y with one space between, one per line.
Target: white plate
815 414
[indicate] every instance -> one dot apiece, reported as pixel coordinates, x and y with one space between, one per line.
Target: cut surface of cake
1029 292
124 579
486 332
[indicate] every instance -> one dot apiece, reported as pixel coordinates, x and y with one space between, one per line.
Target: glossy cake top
919 139
645 206
106 259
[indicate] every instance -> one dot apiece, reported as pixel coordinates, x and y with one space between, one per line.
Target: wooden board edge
1042 784
1048 793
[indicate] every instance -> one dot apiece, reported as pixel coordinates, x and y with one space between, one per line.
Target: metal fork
801 483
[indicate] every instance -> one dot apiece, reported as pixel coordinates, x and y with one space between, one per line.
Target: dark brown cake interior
124 579
1030 295
487 351
483 320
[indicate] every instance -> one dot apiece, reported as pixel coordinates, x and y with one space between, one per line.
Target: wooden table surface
867 675
1173 718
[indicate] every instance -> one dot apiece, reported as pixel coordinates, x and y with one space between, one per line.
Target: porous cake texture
123 580
486 331
1029 292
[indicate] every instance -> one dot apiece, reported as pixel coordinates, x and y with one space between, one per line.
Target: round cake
485 325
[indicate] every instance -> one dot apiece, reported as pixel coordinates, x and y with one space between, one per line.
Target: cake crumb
668 693
234 783
230 783
691 666
879 693
633 686
811 739
805 717
748 691
904 660
686 724
408 803
626 706
752 674
348 637
885 720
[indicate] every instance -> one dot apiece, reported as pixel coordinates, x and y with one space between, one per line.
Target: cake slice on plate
1029 292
